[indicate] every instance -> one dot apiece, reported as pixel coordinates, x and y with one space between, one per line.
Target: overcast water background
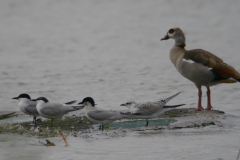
111 51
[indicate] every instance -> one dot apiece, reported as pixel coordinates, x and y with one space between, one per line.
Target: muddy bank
80 126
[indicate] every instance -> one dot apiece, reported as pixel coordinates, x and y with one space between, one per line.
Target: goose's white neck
176 55
180 41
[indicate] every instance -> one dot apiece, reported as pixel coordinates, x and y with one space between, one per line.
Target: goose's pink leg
199 100
209 106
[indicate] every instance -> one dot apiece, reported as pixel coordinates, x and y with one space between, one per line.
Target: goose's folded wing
210 60
226 71
204 57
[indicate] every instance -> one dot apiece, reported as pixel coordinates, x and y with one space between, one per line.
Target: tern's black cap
23 95
88 99
41 98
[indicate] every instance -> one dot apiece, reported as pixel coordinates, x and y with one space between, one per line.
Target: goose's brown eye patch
171 31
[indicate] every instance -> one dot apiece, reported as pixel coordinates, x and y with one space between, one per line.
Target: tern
53 110
149 110
97 115
27 106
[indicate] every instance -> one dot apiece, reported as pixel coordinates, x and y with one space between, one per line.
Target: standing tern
27 106
54 110
97 115
149 110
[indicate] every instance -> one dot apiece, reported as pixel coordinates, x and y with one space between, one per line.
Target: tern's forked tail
173 106
71 102
169 98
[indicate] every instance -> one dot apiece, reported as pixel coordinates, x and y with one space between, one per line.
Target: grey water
111 51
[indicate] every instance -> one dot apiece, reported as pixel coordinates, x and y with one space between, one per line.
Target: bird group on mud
207 70
52 110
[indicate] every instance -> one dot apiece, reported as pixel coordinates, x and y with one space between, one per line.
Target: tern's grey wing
147 108
52 109
101 115
68 108
31 108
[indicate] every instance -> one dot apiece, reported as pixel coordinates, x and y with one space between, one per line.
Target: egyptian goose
208 70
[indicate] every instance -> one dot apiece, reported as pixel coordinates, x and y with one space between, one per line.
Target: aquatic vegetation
46 128
74 125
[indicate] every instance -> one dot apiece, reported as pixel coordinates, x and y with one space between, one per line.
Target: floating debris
8 115
48 143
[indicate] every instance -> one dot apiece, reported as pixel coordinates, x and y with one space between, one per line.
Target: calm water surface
111 51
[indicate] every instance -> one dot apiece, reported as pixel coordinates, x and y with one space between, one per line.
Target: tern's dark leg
101 127
147 123
52 121
34 119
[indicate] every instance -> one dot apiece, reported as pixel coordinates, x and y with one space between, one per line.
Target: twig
64 138
238 155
